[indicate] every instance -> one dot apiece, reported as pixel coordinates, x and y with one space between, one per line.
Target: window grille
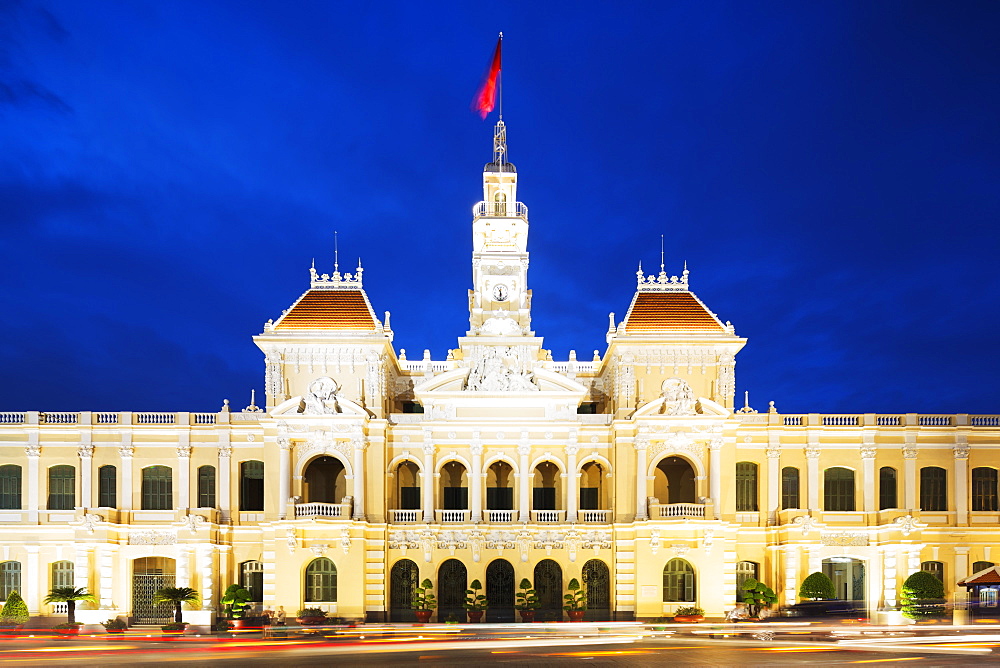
157 488
746 486
62 487
321 581
838 489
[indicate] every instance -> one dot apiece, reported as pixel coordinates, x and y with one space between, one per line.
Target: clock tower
500 301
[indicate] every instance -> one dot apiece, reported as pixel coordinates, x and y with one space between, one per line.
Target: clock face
500 293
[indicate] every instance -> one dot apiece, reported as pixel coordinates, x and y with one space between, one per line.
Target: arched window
981 566
935 568
499 204
252 486
454 487
206 487
321 581
62 487
107 487
500 486
10 487
838 489
591 482
887 488
746 487
252 579
408 480
745 570
10 578
157 488
933 488
678 581
984 489
62 574
789 487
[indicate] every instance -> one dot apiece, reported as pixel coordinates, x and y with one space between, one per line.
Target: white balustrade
500 209
935 420
595 516
547 516
984 420
500 516
667 510
404 516
106 418
204 418
11 418
61 418
888 421
841 421
452 516
319 510
155 418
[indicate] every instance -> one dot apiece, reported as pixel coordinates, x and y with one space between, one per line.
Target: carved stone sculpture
500 370
321 398
678 399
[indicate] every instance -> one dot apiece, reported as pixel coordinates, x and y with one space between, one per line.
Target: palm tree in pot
69 596
176 596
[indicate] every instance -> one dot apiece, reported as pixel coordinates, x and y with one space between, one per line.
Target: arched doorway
403 580
546 489
500 487
150 574
407 486
453 580
592 486
500 591
597 582
324 481
549 588
454 487
848 577
673 481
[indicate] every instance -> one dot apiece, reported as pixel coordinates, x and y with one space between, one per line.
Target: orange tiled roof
328 309
669 311
988 576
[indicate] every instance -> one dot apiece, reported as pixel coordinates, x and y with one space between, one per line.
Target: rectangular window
62 488
157 488
456 498
252 486
10 578
62 574
887 488
789 488
409 498
500 498
543 498
206 487
933 489
252 579
589 498
107 487
746 487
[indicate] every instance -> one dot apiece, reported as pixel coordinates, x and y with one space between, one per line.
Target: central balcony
670 511
500 210
334 510
452 516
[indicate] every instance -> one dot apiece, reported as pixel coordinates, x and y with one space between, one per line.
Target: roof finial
336 254
661 252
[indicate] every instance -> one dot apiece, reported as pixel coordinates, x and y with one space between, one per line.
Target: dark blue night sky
829 170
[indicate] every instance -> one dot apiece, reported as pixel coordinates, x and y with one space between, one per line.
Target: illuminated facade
365 471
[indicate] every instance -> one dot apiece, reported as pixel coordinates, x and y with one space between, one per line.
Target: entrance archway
150 574
324 481
403 580
673 481
848 577
549 588
597 582
453 580
500 591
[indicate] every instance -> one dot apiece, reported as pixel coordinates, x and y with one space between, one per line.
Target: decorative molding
910 451
152 538
33 450
319 549
868 451
961 451
654 540
184 451
85 450
806 522
812 451
193 522
679 549
126 450
345 540
908 524
844 538
773 451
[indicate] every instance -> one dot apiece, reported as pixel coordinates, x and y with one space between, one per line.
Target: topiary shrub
15 611
817 586
922 596
756 595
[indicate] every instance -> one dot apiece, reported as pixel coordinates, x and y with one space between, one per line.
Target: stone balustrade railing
869 420
125 418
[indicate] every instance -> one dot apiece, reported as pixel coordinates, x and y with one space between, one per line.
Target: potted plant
14 614
475 602
757 596
576 601
69 596
526 601
173 629
817 586
311 616
68 628
115 625
424 601
235 600
176 596
688 614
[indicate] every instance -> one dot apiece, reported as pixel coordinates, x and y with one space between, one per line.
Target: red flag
486 97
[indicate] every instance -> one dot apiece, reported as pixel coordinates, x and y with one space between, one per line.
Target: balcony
405 516
500 210
547 516
501 516
595 516
330 510
671 511
452 516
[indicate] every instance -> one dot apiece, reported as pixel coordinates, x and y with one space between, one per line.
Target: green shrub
576 599
756 595
115 624
527 599
474 600
689 611
817 585
423 599
14 611
922 596
235 599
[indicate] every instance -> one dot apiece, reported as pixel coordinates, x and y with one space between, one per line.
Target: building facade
365 472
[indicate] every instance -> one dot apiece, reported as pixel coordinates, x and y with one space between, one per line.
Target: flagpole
500 79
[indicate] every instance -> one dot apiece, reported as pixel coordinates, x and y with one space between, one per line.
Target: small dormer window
499 204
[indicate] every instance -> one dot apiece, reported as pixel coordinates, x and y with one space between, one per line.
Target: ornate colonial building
367 471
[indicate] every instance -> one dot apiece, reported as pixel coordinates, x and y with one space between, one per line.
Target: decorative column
86 454
523 483
34 451
106 574
284 475
868 451
225 453
184 472
910 471
715 475
125 451
359 477
641 507
791 573
773 478
33 577
889 575
812 472
206 574
82 568
476 477
428 476
960 613
961 451
572 479
183 572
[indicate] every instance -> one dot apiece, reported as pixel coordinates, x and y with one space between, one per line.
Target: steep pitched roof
670 312
989 575
328 310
